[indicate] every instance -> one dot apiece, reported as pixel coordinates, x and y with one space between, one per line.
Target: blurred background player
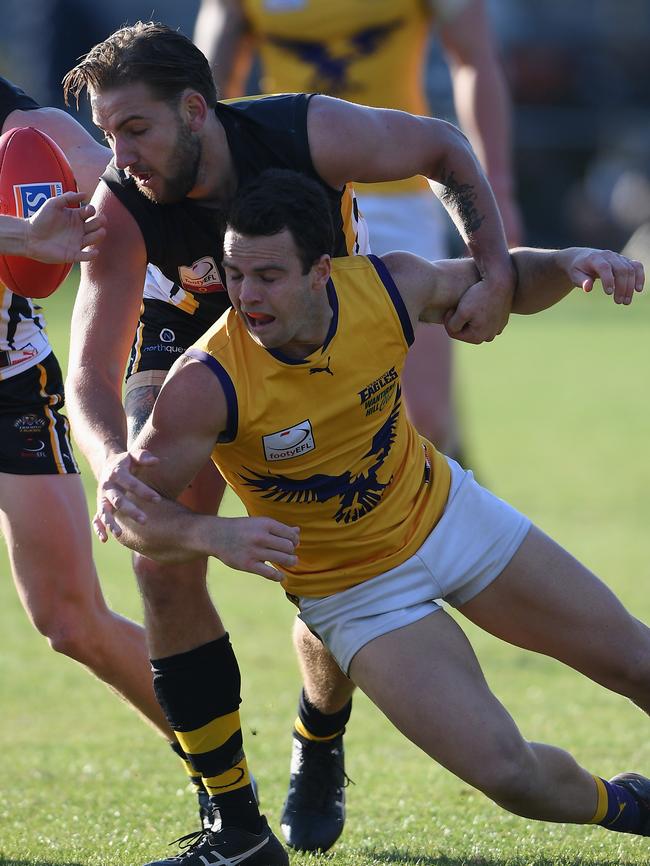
375 54
43 510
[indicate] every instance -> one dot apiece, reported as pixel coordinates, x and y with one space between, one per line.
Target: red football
33 168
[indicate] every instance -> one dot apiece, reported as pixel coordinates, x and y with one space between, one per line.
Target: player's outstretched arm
432 290
544 277
188 417
104 320
63 230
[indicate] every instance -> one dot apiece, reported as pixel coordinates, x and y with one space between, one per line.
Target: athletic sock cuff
312 723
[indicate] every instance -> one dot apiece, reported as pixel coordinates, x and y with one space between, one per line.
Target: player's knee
507 775
162 584
631 675
69 631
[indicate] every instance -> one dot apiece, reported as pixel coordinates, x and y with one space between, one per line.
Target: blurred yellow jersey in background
371 52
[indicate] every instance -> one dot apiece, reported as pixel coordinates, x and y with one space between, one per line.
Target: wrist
26 236
205 535
113 447
499 272
15 235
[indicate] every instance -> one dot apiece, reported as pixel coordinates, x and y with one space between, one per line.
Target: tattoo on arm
462 198
138 406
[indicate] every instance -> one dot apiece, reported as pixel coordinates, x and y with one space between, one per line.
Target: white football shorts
415 222
474 540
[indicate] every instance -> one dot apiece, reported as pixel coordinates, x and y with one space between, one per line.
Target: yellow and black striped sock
216 749
314 725
207 726
195 778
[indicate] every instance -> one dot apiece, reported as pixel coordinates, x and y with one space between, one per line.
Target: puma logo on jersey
325 369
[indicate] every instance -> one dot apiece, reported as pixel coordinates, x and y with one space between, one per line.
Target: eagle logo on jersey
357 493
331 73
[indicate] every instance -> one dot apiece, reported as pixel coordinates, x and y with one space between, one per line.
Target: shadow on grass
409 858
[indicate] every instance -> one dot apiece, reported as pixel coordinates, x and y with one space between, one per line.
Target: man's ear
194 109
321 270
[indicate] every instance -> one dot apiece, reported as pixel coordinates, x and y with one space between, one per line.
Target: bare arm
60 231
87 157
104 320
431 289
482 103
544 277
382 144
188 417
221 32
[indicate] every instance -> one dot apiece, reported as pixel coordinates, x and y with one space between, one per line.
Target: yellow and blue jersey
324 443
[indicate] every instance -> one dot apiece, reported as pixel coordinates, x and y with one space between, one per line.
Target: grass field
557 418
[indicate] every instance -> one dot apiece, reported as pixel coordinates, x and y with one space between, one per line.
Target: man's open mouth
258 320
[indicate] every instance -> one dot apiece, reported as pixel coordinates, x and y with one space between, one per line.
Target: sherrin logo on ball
33 168
30 196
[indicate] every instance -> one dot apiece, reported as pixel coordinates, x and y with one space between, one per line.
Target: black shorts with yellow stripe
34 434
164 332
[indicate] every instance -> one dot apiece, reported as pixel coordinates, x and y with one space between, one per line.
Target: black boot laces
321 777
190 842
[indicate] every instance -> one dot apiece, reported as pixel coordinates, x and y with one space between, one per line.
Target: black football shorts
34 434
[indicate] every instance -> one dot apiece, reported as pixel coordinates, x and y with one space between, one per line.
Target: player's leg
197 680
313 814
45 523
47 529
174 596
548 602
198 684
427 680
325 684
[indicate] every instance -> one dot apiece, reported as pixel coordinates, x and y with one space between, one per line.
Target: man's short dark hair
148 53
281 199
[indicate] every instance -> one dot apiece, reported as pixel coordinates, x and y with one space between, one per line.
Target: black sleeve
13 98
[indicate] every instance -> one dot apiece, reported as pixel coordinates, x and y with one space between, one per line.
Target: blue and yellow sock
617 808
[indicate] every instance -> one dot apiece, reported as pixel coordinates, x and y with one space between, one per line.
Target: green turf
557 420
